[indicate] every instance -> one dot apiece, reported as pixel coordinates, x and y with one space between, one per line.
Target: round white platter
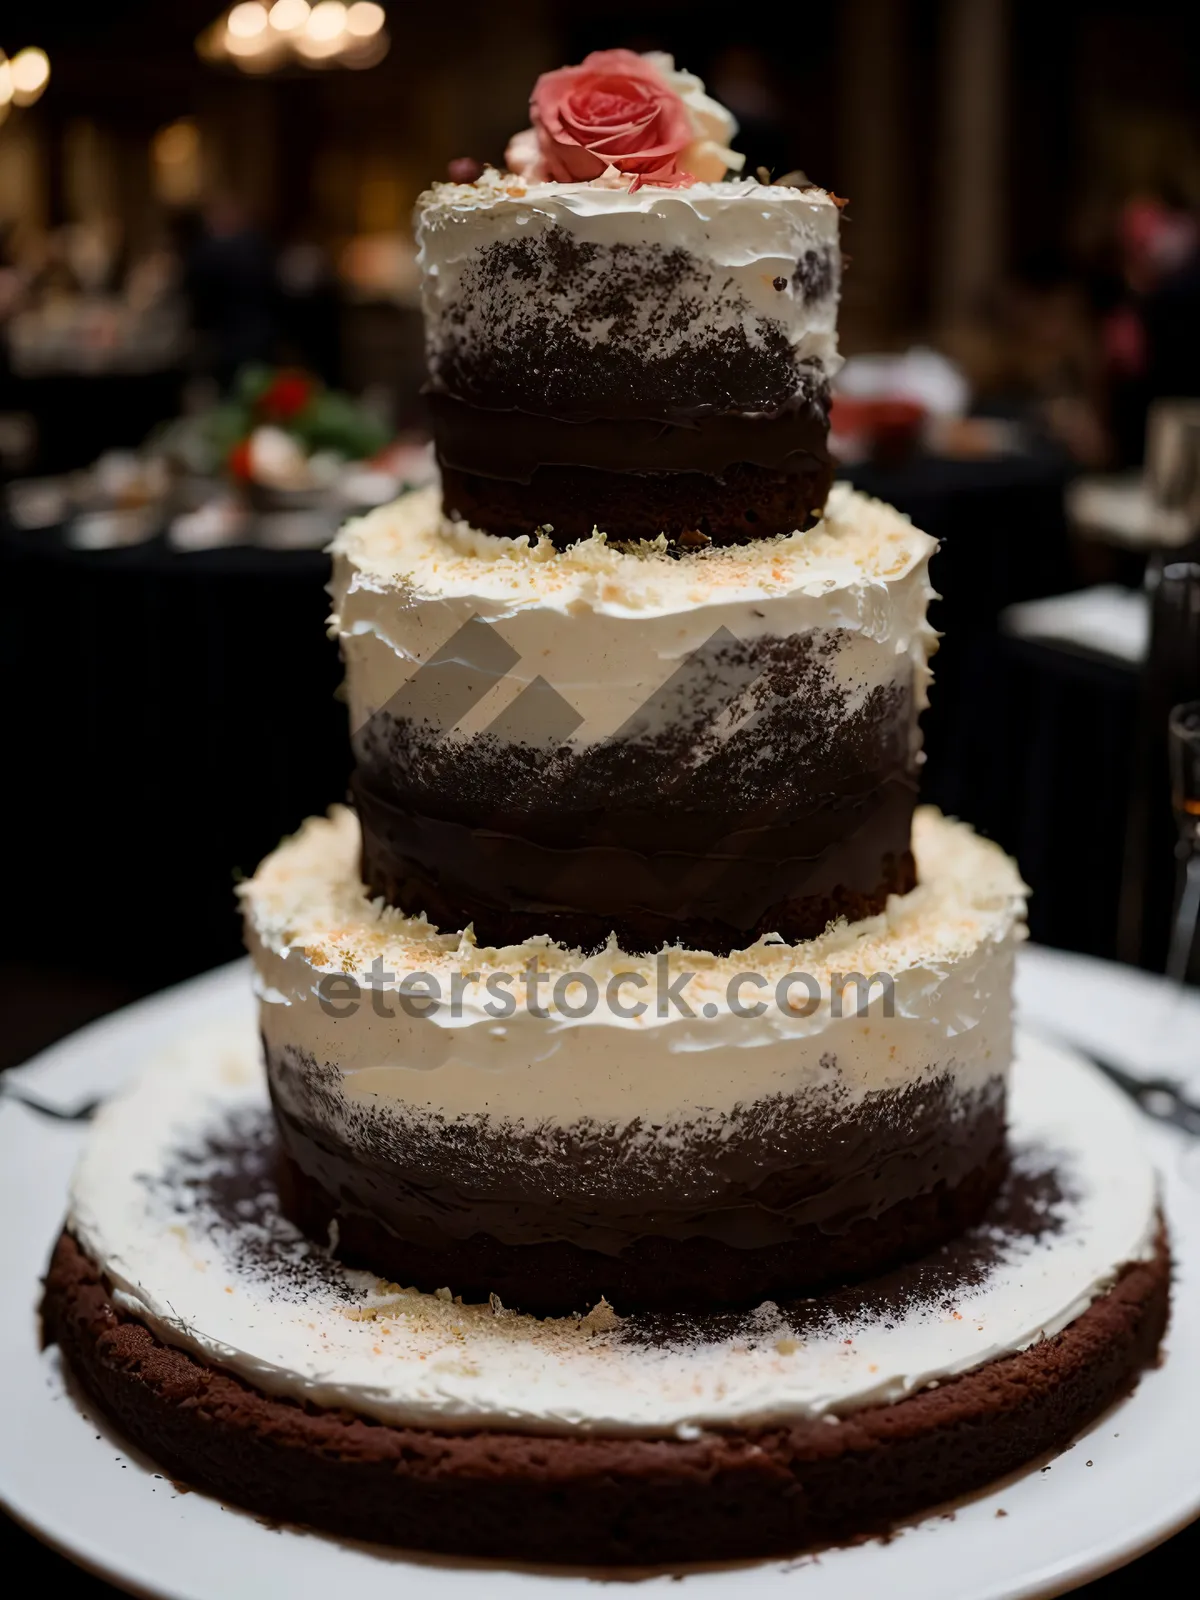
1129 1482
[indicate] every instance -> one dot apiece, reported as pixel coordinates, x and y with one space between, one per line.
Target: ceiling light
29 70
289 16
258 36
243 48
326 21
246 21
364 18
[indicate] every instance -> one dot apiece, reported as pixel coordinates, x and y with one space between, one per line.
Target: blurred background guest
231 288
1151 333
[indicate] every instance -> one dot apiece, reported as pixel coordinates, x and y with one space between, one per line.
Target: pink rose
614 110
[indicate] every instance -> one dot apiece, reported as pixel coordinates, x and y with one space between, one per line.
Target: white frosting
948 947
347 1339
744 235
606 626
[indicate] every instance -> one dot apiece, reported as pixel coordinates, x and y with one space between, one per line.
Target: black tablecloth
1029 742
79 415
170 718
1002 532
1044 767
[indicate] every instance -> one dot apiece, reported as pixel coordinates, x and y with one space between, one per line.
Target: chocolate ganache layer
633 1127
710 879
781 1198
595 742
647 363
721 479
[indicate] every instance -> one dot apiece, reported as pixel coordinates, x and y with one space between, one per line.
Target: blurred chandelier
23 79
258 37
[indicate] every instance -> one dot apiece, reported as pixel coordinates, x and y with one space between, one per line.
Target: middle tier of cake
676 1131
700 749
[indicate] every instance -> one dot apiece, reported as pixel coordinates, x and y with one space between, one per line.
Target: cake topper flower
621 113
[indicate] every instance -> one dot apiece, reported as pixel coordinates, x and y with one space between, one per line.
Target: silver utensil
1164 1099
83 1112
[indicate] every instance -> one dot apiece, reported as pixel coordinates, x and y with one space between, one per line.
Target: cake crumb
600 1319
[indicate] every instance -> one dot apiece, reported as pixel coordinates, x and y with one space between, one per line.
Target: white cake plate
1128 1483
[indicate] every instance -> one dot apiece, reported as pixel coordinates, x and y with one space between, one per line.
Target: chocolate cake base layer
637 932
555 1276
703 478
601 1500
513 888
780 1196
692 509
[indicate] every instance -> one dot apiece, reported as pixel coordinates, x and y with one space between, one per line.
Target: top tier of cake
645 360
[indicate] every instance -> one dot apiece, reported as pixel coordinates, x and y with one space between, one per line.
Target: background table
78 415
170 718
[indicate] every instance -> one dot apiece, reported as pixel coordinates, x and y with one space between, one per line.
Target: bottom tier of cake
251 1364
737 1493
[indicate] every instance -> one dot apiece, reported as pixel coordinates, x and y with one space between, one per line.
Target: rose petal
618 112
672 179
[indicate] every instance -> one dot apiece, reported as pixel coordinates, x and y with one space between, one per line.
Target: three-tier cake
632 1012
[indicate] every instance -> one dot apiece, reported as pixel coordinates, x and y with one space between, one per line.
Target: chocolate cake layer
723 478
754 791
720 896
725 1494
515 444
741 503
779 1198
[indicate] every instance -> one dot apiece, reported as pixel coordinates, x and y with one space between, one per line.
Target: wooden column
872 151
970 243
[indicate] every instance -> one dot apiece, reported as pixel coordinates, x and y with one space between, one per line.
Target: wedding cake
634 1017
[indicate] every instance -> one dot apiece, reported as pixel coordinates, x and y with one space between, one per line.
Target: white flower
524 156
708 157
277 460
708 161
